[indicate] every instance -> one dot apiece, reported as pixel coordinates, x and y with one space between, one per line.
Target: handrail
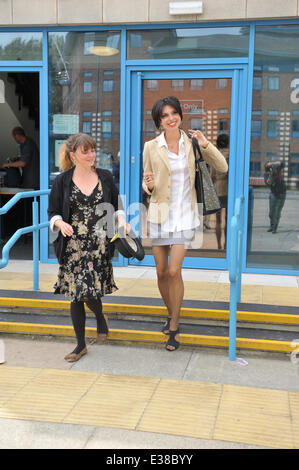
22 195
235 271
35 227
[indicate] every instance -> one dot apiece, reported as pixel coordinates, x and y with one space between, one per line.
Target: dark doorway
19 107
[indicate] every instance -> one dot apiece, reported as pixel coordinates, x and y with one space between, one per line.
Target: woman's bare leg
176 286
161 260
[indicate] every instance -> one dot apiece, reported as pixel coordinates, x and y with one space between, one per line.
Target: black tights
78 318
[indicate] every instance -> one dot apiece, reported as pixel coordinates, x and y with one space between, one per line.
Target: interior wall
10 117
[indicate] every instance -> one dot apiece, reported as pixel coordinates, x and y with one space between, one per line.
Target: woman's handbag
205 191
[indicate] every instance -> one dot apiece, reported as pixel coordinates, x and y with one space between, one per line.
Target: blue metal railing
35 227
235 271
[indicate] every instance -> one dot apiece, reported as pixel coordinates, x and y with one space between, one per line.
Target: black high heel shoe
166 327
172 341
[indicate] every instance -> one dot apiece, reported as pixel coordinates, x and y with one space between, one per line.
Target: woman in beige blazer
169 175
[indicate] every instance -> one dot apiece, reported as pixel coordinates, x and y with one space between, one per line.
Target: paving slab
20 434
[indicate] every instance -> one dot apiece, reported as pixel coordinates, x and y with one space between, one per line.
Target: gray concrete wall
68 12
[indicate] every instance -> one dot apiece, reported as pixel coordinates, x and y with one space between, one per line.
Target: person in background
29 165
220 181
273 178
28 161
78 211
169 177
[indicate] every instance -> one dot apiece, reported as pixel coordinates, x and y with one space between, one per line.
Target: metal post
233 322
233 277
239 267
235 272
35 245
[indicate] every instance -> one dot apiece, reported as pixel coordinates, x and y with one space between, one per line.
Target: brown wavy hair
75 141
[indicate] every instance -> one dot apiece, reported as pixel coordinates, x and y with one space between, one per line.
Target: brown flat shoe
102 337
73 357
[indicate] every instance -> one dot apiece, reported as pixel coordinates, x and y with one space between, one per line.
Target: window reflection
188 43
84 94
272 222
177 84
21 46
205 106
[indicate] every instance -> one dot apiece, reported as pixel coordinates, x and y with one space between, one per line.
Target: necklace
173 145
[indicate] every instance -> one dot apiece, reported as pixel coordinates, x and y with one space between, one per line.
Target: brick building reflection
205 104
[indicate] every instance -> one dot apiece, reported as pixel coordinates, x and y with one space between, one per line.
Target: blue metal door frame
238 72
39 67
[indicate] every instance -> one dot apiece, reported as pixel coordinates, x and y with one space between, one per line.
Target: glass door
209 101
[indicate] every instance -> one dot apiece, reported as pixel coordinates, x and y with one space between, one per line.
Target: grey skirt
174 238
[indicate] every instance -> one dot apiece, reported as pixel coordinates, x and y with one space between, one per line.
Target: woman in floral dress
83 204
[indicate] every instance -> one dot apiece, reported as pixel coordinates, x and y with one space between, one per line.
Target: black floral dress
87 272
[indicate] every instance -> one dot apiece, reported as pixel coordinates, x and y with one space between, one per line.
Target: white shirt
181 215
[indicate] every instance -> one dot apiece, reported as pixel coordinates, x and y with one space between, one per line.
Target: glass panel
21 46
273 188
209 111
188 43
84 95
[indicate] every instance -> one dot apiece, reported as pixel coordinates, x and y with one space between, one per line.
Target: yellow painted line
151 336
266 345
34 303
241 343
268 317
36 328
151 310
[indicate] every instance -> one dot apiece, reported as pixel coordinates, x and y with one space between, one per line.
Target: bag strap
198 175
196 147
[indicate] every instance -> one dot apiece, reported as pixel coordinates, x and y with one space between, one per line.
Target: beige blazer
155 160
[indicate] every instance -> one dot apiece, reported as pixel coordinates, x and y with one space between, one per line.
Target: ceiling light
103 50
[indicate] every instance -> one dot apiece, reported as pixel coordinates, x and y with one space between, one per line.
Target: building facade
98 67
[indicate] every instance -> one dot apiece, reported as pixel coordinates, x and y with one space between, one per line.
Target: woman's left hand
202 141
123 224
127 228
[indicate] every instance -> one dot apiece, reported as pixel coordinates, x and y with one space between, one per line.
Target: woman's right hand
148 178
65 228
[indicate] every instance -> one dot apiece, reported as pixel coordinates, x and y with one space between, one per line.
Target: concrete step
261 331
152 309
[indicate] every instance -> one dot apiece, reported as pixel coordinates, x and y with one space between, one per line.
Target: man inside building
28 163
29 159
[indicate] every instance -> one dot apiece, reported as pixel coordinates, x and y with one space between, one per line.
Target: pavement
122 396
